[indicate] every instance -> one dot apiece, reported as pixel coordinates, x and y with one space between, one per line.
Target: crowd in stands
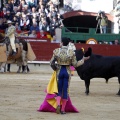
38 18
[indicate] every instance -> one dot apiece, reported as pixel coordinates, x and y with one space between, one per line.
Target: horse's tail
24 43
30 53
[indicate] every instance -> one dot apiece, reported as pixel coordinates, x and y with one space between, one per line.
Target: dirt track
22 94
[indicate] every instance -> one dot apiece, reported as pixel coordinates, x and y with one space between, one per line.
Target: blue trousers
63 79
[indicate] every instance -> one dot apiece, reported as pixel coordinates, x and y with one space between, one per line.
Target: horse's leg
8 67
23 68
24 59
2 67
28 70
19 69
5 68
19 64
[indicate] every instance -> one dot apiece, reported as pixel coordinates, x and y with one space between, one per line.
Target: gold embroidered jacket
65 56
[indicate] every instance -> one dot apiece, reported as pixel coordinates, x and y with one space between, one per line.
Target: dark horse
20 57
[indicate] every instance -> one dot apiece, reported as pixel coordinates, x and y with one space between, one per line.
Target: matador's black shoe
63 112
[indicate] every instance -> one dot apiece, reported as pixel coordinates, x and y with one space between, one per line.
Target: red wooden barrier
44 50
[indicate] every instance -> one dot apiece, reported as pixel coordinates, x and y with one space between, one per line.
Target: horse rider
11 35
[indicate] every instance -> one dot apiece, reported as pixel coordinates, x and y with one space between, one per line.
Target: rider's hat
9 22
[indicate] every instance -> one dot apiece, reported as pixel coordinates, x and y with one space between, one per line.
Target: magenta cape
46 107
49 104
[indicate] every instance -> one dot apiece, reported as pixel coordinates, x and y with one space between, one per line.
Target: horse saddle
18 54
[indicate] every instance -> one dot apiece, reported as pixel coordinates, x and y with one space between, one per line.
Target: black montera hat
65 41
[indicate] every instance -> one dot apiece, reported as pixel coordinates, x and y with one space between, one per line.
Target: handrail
83 34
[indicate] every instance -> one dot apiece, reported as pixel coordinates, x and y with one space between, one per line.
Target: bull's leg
119 86
87 84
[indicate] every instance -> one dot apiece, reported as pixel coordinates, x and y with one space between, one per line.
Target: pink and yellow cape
49 104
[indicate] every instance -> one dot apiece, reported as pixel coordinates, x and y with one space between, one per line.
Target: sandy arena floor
22 94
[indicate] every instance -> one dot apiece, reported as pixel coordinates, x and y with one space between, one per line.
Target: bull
98 66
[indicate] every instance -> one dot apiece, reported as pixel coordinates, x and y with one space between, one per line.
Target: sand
22 94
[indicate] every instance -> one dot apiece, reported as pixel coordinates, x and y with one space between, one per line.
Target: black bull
98 66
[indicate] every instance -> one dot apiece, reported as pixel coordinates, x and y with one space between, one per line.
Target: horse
24 53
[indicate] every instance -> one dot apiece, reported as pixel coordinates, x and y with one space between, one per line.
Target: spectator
49 18
24 10
55 40
19 16
102 22
35 17
119 23
11 5
39 5
116 42
5 23
53 25
16 2
33 10
30 3
8 16
33 34
24 22
2 27
21 5
56 3
34 27
4 11
60 20
7 7
15 10
53 12
44 26
67 6
24 16
41 34
17 26
1 14
14 20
